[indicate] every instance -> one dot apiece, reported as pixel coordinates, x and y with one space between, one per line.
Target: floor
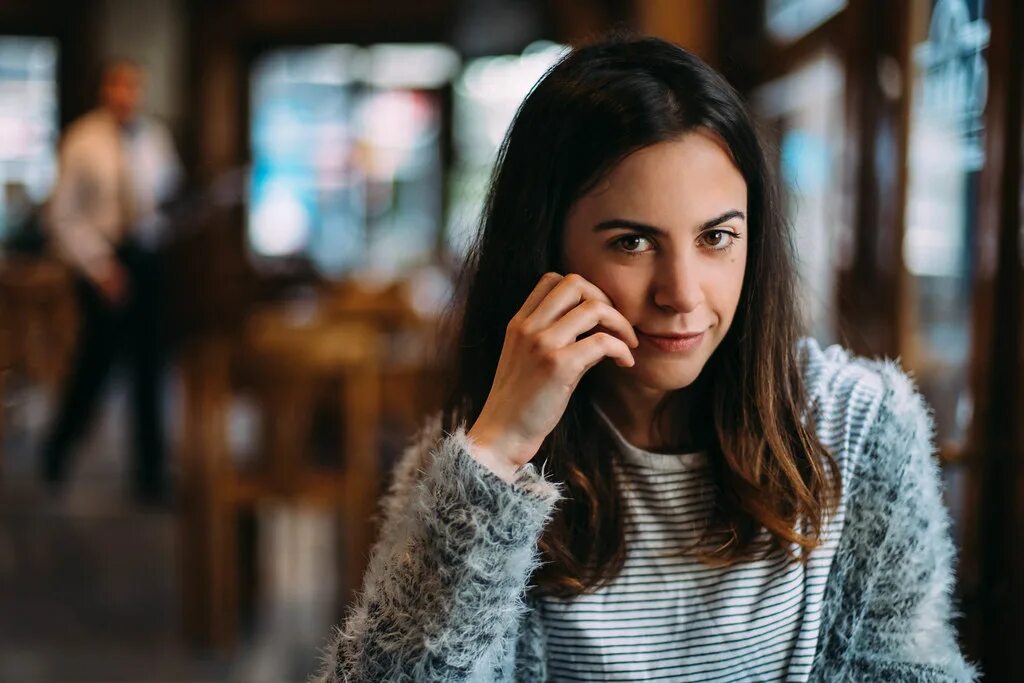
89 583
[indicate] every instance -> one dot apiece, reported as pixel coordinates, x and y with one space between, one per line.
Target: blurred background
329 161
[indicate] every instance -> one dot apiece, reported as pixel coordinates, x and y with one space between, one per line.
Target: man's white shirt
112 181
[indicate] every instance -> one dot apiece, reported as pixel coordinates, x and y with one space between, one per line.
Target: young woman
643 472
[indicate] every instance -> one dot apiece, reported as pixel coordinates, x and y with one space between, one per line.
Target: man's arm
78 240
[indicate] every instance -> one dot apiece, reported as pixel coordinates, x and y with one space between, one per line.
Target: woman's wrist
494 452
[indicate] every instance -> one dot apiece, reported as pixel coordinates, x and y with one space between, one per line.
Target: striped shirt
668 616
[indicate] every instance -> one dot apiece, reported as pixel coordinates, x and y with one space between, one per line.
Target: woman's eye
632 244
718 239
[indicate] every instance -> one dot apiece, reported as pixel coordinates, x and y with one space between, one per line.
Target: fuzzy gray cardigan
445 597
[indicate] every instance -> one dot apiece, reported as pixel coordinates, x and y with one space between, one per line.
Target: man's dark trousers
130 329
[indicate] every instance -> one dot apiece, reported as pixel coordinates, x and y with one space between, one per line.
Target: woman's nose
679 287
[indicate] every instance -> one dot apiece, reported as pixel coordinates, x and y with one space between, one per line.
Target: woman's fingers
547 282
583 319
566 295
592 350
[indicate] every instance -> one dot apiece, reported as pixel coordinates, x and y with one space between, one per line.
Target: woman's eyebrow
727 216
613 223
642 228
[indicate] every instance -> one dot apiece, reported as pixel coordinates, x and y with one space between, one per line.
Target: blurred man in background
117 168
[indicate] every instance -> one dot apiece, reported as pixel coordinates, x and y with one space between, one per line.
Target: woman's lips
672 343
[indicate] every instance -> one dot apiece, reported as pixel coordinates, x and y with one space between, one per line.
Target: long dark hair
598 104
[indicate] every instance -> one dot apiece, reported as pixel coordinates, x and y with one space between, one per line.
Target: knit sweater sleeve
889 605
445 585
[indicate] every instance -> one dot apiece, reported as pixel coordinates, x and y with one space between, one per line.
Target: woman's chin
662 376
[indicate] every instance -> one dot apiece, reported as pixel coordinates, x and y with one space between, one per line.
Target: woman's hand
544 356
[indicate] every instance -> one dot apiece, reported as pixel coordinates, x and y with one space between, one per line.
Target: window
787 20
487 95
28 125
944 162
346 156
805 108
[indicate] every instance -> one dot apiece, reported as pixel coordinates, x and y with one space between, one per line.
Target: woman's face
664 235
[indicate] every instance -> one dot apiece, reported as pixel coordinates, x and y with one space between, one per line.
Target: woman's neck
651 419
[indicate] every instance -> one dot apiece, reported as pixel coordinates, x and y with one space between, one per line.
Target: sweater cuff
527 479
457 480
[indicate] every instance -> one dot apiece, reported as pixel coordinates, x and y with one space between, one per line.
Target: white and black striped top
670 617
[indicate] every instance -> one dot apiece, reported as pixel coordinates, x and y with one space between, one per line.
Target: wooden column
992 575
691 24
870 287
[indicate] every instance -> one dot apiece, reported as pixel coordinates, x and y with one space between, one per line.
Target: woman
643 472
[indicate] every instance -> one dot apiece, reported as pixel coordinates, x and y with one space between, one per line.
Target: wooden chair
286 357
411 379
38 324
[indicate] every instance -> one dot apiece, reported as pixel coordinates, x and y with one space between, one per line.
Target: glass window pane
487 95
28 125
945 156
805 109
346 156
789 19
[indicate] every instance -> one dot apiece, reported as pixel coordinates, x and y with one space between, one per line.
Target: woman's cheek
624 303
625 295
